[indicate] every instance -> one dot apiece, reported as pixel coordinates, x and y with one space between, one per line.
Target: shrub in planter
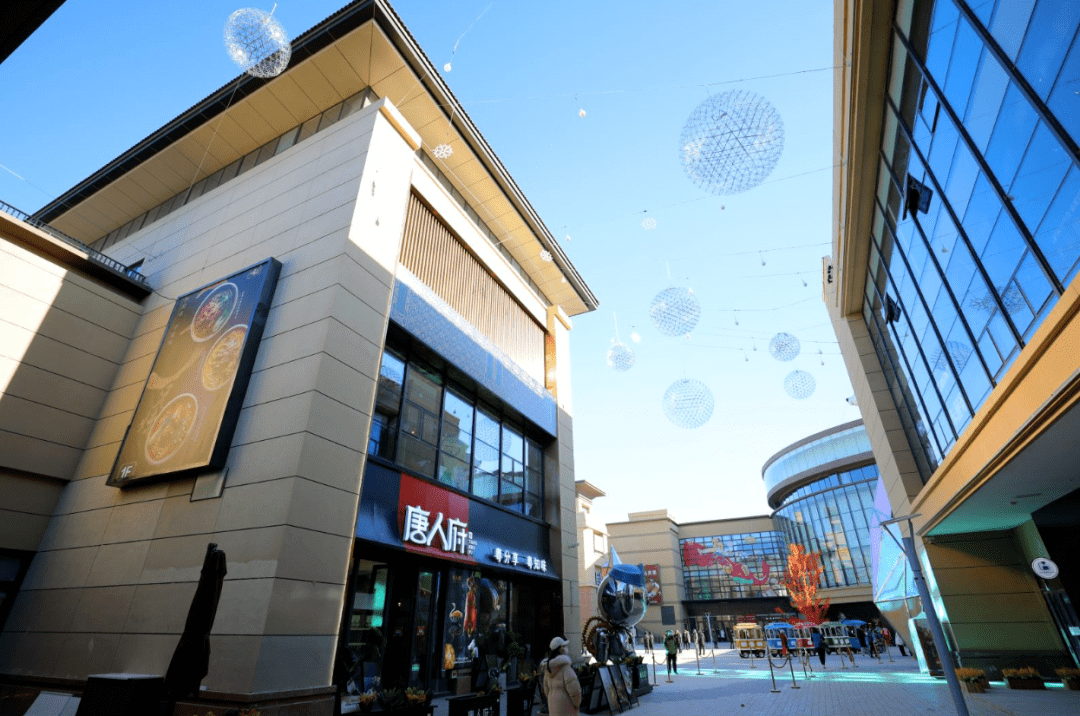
1070 677
1023 678
973 680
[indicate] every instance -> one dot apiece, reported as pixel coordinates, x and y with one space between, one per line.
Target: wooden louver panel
436 257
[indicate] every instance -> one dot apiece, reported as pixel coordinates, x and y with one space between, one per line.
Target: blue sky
100 76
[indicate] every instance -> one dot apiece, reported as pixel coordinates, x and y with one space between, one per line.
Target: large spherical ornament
784 347
688 403
731 142
799 384
620 357
675 311
257 42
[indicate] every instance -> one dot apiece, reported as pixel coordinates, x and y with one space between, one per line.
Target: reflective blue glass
1041 172
1058 234
1015 124
1050 33
1008 23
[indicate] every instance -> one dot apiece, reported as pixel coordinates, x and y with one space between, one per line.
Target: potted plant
366 701
519 700
974 681
1070 677
1023 678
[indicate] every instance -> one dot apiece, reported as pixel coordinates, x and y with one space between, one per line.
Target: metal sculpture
799 384
688 403
675 311
257 42
621 601
784 347
731 142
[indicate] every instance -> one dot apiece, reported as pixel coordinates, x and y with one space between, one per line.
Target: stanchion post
697 658
792 670
773 677
715 670
752 660
654 681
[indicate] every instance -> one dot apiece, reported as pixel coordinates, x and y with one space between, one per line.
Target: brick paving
873 688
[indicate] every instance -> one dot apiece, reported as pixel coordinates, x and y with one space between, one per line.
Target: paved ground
873 688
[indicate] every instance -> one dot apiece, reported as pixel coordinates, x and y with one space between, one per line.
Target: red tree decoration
804 572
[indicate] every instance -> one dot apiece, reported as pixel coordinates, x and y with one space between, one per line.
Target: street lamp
908 548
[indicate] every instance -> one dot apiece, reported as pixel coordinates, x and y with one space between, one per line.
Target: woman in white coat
561 687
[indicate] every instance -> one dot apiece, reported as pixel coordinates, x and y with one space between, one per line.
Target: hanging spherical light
649 223
731 142
546 256
675 311
799 384
443 151
620 357
257 42
784 347
688 403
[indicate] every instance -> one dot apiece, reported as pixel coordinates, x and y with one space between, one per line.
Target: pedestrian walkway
873 687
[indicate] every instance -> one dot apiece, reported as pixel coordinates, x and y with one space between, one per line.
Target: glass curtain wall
832 516
975 229
430 420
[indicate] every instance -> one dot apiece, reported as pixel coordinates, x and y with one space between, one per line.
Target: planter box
486 705
519 701
1072 683
973 687
1030 684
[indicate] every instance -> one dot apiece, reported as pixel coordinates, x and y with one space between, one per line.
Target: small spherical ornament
649 223
688 403
784 347
675 311
545 256
446 67
799 384
257 42
731 142
620 357
635 337
443 151
581 113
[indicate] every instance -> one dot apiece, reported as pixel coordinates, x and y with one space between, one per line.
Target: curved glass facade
822 451
975 229
832 516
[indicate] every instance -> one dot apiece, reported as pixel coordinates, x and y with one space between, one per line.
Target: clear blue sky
100 76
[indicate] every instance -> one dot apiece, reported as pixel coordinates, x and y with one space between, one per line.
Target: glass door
424 666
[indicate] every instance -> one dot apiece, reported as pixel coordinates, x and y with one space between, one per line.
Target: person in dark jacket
671 646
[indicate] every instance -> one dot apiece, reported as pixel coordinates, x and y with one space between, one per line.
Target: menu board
189 406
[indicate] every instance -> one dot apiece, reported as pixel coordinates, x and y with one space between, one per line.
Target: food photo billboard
189 407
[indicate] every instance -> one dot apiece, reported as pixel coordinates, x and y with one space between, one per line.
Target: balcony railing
93 254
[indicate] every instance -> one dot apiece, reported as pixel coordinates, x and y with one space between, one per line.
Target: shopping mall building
952 287
284 324
704 575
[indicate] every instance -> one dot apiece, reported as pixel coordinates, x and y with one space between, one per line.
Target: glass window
986 98
308 128
330 116
456 444
1049 35
1015 124
287 140
1040 175
965 60
1009 21
1059 233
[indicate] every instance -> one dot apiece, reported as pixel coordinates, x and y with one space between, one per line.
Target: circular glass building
821 490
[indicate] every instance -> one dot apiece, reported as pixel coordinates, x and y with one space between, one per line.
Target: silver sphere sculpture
620 357
688 403
731 142
257 42
784 347
675 311
799 384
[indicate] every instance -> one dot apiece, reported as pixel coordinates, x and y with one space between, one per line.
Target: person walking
686 639
678 640
899 641
700 643
672 648
820 646
560 684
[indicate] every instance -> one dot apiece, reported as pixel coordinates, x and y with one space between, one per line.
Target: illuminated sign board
189 406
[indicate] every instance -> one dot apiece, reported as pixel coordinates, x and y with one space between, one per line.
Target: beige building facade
954 299
382 391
